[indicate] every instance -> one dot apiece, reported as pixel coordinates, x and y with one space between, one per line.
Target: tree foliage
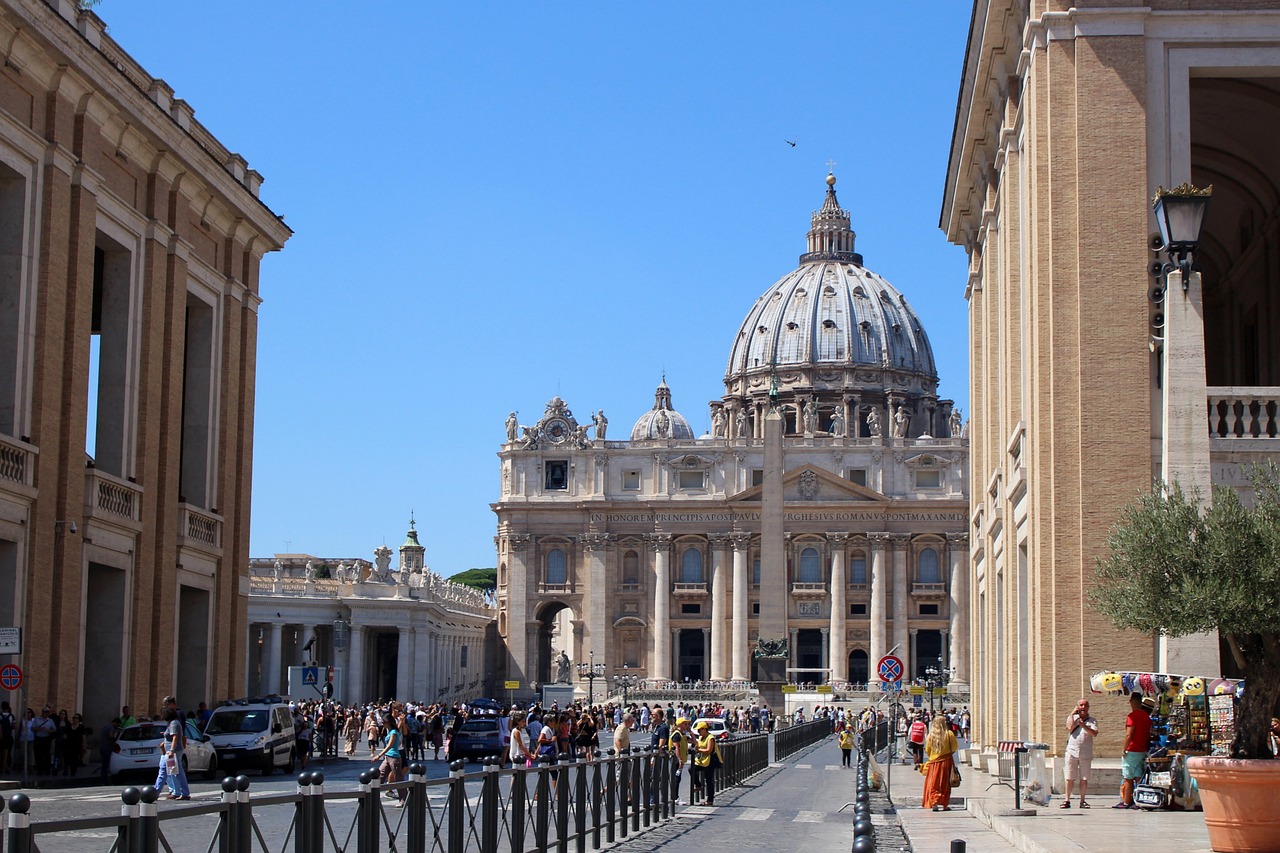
1176 570
485 580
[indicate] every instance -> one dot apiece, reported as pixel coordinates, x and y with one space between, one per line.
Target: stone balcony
112 499
1238 412
808 590
689 590
929 590
199 529
17 463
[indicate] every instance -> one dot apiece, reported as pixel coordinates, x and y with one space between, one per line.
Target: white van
253 734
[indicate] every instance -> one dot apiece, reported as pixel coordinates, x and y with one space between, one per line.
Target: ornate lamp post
591 671
1180 214
626 682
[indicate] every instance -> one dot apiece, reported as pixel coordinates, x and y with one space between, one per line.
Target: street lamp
626 682
591 671
1180 214
936 676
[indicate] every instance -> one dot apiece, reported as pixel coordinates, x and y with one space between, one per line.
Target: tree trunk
1261 700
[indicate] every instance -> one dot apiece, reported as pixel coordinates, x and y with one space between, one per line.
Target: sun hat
701 724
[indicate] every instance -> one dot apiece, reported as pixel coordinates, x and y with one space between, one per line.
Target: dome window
828 324
859 292
884 294
866 325
791 326
800 291
762 330
828 291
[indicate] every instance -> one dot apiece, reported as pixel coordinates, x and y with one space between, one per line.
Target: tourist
707 759
1137 740
940 747
1081 730
844 738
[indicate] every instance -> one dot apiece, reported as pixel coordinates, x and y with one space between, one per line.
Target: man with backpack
8 734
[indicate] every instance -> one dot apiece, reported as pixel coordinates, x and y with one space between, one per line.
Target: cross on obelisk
831 166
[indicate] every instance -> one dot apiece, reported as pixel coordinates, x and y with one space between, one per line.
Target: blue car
476 738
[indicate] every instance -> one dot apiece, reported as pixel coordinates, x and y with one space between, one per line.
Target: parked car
478 737
715 726
253 734
139 746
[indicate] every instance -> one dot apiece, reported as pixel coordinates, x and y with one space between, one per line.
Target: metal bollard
368 832
490 796
302 815
129 799
417 806
244 816
562 802
957 845
144 836
457 805
18 829
227 817
315 819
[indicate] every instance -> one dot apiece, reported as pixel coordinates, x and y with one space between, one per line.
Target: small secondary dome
661 422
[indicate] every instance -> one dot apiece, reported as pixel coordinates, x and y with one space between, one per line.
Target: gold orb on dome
831 179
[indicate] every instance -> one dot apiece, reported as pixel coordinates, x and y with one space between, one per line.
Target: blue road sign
311 675
890 668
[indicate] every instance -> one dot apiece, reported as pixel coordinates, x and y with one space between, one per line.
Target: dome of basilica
834 333
661 422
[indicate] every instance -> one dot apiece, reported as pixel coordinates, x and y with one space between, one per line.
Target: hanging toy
1128 682
1193 687
1146 683
1175 686
1095 682
1111 682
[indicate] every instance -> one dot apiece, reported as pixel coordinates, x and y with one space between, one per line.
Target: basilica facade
643 552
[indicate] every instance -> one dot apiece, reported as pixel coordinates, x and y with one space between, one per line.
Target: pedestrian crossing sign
311 675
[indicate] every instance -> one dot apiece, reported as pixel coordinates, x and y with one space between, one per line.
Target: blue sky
495 203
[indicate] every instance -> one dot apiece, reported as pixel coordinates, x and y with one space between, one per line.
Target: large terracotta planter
1240 799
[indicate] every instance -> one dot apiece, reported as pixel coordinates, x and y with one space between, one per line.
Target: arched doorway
859 669
928 652
555 632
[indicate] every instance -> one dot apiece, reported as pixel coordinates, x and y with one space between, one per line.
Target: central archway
555 632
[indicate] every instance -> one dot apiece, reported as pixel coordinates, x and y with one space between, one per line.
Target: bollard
315 828
562 789
417 806
580 801
957 845
542 804
457 805
864 844
863 826
129 799
302 815
18 829
368 832
227 817
519 796
148 825
490 795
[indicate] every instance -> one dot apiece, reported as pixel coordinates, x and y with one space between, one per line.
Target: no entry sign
10 676
890 668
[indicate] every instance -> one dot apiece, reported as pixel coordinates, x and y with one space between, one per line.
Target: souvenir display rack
1222 724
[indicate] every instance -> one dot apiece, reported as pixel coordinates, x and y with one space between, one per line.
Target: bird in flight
792 142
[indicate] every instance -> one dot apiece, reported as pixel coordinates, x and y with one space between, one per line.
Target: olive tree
1178 568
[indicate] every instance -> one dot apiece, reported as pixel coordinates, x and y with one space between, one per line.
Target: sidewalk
1100 829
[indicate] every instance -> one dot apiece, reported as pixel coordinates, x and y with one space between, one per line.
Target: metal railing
792 739
555 804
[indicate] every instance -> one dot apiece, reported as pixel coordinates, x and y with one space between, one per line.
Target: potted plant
1178 568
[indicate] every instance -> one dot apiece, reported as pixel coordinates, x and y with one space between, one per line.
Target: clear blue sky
496 203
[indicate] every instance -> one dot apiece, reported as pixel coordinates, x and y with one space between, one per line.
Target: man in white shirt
1081 730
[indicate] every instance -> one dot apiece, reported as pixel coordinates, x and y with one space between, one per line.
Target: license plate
145 751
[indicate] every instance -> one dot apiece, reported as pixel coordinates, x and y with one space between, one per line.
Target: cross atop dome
830 236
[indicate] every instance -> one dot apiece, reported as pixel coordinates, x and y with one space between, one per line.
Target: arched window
810 566
929 566
858 569
557 568
691 566
755 572
631 568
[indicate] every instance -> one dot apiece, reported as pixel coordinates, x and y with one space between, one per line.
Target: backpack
7 723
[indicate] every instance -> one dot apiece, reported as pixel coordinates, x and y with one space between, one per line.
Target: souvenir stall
1190 716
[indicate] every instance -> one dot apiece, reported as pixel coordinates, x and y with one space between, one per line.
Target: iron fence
565 804
792 739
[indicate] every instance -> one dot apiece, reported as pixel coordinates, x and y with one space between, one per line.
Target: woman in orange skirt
939 748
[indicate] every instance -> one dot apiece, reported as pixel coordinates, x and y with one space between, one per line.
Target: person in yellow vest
844 739
707 759
679 742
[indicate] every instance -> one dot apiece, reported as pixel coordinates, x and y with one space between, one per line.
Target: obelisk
771 650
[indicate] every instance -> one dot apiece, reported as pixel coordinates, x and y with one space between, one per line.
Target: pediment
809 483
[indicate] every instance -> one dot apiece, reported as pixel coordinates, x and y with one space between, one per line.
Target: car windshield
479 726
144 732
232 722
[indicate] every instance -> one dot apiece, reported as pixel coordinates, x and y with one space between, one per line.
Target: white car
715 727
139 746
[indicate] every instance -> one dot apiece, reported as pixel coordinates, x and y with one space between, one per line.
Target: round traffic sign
890 668
10 676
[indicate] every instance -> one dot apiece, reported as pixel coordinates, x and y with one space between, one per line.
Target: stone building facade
390 631
648 548
1070 116
130 242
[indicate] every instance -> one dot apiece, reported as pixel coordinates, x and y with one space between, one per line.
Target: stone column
958 650
353 681
1184 449
706 653
826 652
838 655
674 661
879 618
271 666
900 589
404 664
660 665
793 656
910 674
741 670
307 635
719 603
596 546
518 578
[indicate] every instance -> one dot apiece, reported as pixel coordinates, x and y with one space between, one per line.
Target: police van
254 733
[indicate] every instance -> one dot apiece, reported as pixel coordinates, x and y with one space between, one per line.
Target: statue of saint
382 559
662 424
562 668
601 423
341 572
310 572
900 421
837 422
740 425
808 415
717 422
874 424
956 423
278 570
513 427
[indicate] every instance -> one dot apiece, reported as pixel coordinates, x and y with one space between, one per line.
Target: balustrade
1244 412
107 496
17 462
199 528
